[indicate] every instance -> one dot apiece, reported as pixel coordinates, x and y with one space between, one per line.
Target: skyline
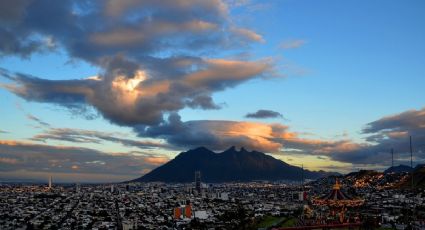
106 91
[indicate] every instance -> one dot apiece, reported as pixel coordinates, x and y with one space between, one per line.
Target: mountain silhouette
230 165
398 169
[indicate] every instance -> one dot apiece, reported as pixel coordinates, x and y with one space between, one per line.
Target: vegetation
289 222
269 221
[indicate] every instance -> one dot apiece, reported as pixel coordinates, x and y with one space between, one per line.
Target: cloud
92 30
249 5
14 10
218 134
89 136
262 113
3 131
248 34
292 44
391 132
16 156
40 122
144 98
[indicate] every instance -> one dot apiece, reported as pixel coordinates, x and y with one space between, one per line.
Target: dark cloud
14 11
16 156
92 30
262 113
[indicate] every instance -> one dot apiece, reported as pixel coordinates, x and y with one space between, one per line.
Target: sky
105 91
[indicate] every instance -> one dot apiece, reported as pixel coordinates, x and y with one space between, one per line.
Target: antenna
411 159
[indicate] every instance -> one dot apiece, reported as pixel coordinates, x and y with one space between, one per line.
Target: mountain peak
231 149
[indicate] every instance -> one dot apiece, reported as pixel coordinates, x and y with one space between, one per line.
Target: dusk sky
101 91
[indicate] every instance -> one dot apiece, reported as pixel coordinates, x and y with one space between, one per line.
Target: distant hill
398 169
362 174
230 165
418 178
363 179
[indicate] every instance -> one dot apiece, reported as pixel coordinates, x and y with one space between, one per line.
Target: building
50 182
198 181
184 211
177 213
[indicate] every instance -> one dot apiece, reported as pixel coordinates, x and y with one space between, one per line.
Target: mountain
418 178
398 169
230 165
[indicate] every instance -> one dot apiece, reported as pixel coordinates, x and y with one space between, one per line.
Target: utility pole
411 159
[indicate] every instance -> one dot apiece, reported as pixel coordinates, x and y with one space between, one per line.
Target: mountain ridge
230 165
398 169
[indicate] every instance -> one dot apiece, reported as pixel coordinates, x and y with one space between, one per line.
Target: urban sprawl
354 202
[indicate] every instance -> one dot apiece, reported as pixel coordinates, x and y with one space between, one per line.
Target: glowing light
94 78
129 84
75 167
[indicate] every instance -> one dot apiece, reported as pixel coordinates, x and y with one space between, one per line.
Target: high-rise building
50 182
198 181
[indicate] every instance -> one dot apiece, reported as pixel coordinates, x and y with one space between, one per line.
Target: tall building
77 187
50 182
198 181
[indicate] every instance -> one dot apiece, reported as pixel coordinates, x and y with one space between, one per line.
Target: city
197 205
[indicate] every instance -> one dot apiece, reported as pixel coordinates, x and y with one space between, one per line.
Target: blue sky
336 71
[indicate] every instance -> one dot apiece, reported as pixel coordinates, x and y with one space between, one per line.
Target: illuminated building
337 202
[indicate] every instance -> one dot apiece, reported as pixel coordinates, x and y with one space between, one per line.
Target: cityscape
212 114
360 200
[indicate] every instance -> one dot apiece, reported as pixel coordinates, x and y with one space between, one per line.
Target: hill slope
398 169
230 165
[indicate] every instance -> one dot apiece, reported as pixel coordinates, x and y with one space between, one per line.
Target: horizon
107 91
39 181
